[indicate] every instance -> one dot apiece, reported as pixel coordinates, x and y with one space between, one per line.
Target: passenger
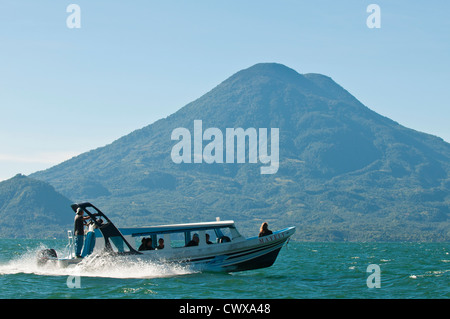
264 230
143 244
207 240
160 244
194 241
149 244
146 244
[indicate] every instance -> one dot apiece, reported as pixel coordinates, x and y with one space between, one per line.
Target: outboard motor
43 256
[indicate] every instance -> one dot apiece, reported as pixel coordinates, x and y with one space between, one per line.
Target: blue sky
66 91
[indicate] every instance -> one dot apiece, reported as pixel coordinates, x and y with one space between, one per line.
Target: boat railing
70 247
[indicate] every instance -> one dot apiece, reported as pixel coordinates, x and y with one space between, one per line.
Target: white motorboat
210 246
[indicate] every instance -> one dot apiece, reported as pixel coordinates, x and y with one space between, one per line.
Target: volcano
345 173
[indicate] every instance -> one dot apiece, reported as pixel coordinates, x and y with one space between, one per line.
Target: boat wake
128 267
95 266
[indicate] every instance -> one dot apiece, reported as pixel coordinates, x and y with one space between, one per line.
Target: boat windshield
118 244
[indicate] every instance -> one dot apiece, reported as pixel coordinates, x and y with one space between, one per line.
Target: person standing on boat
79 231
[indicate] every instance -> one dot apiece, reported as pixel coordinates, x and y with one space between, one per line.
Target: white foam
95 266
128 267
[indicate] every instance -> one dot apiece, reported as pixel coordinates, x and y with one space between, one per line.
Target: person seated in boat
146 244
149 244
160 244
194 242
143 244
264 230
207 239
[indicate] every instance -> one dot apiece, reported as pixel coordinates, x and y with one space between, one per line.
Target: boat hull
252 253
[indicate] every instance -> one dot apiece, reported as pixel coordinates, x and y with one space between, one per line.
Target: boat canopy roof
108 229
175 228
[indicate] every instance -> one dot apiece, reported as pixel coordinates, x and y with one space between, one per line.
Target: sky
65 91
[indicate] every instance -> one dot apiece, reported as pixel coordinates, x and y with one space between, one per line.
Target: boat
190 244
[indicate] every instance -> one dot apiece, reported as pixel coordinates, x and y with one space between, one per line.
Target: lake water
302 270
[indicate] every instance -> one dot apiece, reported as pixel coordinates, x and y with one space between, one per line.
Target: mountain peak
270 70
270 76
270 67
